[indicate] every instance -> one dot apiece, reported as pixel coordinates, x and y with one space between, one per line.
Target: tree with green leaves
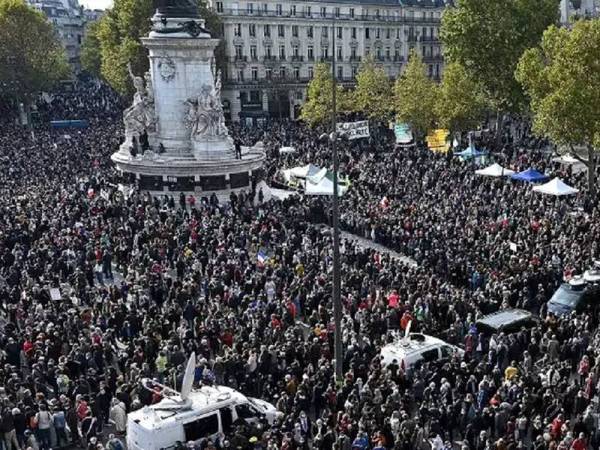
562 79
460 103
319 103
489 37
371 96
91 59
31 57
414 97
119 33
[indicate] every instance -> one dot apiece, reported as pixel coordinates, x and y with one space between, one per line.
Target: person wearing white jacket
118 416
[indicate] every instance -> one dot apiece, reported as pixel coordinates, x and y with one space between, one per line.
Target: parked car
576 295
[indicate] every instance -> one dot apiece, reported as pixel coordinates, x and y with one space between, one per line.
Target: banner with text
403 133
354 130
437 140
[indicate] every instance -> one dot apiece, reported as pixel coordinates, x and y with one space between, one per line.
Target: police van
192 414
416 348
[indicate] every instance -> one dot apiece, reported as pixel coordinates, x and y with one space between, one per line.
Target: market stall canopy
529 175
322 184
568 160
555 187
287 150
495 170
470 153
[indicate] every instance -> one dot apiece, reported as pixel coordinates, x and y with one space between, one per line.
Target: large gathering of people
102 286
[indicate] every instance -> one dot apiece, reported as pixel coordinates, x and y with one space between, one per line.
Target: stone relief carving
166 67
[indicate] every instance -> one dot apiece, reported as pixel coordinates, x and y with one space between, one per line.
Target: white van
417 347
192 415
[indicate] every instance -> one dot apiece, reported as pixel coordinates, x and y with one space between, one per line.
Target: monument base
170 175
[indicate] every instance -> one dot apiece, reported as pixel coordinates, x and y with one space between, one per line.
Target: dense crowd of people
103 286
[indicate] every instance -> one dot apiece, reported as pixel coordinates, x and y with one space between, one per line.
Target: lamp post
337 302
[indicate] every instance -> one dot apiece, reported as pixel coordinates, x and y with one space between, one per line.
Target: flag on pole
262 257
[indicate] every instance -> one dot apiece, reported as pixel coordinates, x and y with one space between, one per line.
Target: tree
31 57
91 59
489 37
372 93
562 79
119 33
460 101
317 108
415 97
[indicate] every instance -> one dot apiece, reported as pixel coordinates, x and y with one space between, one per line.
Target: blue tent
529 175
471 152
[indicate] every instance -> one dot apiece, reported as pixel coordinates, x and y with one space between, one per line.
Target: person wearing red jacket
579 443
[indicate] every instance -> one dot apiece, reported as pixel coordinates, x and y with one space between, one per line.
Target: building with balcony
571 9
272 46
68 20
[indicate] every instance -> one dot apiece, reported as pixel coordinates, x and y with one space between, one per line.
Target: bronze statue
177 8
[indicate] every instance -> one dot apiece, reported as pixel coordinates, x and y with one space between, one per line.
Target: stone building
272 46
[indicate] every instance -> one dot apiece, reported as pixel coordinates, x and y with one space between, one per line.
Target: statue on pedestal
140 117
204 116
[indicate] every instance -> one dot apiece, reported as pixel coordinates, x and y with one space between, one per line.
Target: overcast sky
96 4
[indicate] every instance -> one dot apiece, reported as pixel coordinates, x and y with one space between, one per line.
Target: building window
323 11
325 52
293 10
219 7
430 70
268 52
310 32
265 7
340 72
268 73
237 29
336 12
367 51
353 32
367 33
279 9
339 54
325 32
311 53
339 32
295 30
238 52
354 71
377 13
282 73
377 33
388 53
423 51
352 13
280 31
254 73
308 11
310 73
252 30
388 32
378 52
250 8
297 73
282 52
267 30
240 75
398 33
295 51
253 52
353 54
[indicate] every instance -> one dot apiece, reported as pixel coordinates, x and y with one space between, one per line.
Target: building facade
272 46
570 9
68 19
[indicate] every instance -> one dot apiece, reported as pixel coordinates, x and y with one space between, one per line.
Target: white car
417 347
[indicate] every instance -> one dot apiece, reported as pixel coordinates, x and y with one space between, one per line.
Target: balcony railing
329 16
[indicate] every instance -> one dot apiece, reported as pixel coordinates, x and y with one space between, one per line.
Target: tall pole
337 302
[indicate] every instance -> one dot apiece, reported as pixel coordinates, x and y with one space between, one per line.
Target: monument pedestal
180 110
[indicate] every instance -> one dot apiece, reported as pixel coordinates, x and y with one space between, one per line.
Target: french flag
262 257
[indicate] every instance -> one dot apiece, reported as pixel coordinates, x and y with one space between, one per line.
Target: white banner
354 130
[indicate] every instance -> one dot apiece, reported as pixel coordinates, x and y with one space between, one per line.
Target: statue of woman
134 117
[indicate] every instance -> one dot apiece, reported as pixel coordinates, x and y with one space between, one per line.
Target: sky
96 4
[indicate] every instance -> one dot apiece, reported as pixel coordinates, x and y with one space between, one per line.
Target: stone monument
176 139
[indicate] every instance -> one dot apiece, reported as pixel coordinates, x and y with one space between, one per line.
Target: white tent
555 187
495 170
300 172
322 184
568 160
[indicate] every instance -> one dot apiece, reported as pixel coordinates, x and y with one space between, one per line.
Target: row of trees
31 56
115 41
457 103
505 57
